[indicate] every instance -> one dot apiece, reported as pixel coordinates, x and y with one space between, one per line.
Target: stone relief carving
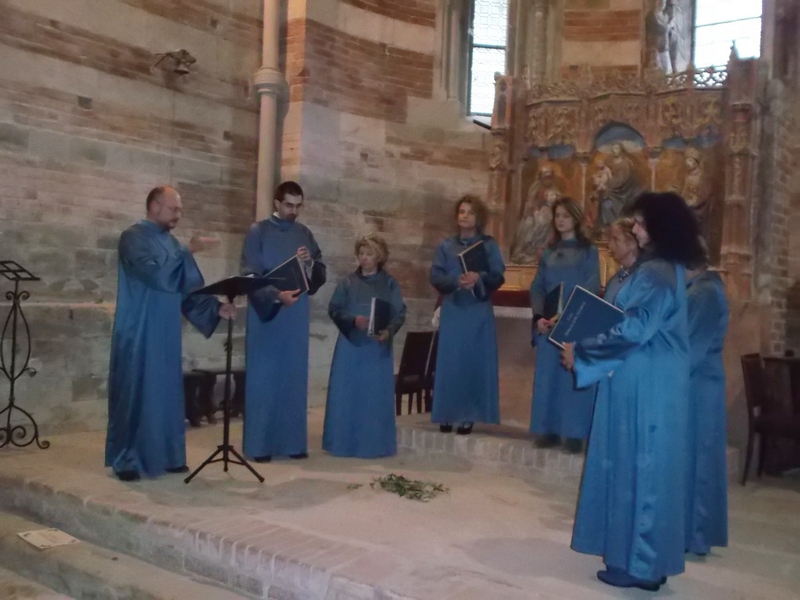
534 227
668 35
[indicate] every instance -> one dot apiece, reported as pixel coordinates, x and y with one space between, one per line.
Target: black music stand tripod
231 288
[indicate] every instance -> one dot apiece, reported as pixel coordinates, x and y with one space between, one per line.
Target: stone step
85 570
16 587
503 449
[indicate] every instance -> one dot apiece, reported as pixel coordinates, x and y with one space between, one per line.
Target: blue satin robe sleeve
440 278
202 312
494 278
538 290
704 317
591 271
595 358
172 272
398 308
319 272
263 300
344 320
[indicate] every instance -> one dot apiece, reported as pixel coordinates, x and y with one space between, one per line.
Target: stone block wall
87 127
374 144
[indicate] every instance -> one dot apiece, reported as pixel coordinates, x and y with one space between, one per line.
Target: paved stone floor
492 536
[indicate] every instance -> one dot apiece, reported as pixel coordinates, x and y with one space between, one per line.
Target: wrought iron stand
17 434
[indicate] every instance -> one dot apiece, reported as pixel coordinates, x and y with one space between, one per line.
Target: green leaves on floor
413 489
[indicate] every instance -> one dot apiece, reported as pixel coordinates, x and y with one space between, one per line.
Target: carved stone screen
488 52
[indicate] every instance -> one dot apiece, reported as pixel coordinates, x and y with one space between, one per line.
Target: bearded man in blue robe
146 430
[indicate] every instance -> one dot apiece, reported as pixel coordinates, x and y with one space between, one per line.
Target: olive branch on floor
413 489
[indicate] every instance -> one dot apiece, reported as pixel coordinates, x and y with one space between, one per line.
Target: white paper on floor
47 538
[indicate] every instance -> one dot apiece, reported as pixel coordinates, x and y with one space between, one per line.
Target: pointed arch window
487 52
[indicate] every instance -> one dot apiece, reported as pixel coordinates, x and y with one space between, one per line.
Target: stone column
269 83
537 41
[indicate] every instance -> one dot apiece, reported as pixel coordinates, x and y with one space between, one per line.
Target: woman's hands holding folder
568 356
382 337
543 326
468 280
362 323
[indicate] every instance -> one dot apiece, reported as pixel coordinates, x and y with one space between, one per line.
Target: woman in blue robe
278 325
359 414
631 508
465 388
623 248
707 481
559 409
146 429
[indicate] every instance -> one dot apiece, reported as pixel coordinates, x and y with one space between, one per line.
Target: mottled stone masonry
419 12
353 75
602 25
87 127
43 36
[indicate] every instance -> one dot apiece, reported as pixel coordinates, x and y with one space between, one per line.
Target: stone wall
375 144
87 127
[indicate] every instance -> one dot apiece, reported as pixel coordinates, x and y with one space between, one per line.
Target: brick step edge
184 547
14 586
84 570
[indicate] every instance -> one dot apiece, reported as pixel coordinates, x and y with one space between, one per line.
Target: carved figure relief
534 228
668 35
615 179
695 189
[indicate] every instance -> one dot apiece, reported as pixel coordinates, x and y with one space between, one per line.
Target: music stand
231 288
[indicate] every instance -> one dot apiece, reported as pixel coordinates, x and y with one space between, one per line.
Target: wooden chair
197 387
410 378
763 417
430 373
238 381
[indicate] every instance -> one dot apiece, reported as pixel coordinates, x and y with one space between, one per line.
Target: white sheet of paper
47 538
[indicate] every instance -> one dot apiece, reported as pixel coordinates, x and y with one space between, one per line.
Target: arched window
487 53
719 24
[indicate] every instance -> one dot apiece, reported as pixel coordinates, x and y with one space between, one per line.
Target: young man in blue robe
465 389
707 481
278 322
359 413
632 503
146 433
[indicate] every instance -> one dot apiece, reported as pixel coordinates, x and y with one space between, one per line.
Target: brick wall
87 127
601 33
372 147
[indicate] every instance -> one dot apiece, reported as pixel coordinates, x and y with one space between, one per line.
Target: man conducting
145 383
276 389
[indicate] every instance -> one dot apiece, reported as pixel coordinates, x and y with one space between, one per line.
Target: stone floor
310 531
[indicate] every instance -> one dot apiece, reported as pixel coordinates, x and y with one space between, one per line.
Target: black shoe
620 579
128 476
211 418
573 446
445 428
262 459
299 456
547 441
464 429
183 469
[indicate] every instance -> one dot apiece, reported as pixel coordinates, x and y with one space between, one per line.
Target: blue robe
558 407
276 386
466 384
145 383
359 414
631 508
707 482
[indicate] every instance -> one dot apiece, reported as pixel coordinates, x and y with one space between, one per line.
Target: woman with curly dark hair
561 412
631 509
